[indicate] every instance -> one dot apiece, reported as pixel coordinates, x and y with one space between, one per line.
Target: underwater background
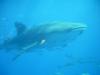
85 48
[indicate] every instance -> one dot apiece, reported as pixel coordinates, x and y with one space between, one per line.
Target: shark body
43 36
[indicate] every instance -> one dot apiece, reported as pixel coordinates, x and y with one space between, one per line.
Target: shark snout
77 28
81 27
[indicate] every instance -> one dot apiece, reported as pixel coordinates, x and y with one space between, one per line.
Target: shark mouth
80 28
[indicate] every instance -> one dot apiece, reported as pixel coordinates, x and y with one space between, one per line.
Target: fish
47 35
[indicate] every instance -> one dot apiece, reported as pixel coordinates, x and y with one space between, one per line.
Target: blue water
33 12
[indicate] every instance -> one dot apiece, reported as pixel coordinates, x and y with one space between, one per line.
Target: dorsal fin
20 28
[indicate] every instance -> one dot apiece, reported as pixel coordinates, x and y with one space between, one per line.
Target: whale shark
47 35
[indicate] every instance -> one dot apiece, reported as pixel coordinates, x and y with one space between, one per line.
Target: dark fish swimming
49 35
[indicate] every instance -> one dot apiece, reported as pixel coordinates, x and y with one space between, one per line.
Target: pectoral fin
24 50
18 55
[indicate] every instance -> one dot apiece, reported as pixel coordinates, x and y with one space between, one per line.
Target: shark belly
61 39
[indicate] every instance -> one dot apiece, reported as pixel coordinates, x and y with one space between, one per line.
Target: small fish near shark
47 35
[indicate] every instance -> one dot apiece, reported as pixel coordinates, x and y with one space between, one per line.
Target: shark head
63 26
77 27
59 34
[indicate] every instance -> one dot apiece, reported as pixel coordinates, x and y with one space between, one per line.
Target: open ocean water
80 57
